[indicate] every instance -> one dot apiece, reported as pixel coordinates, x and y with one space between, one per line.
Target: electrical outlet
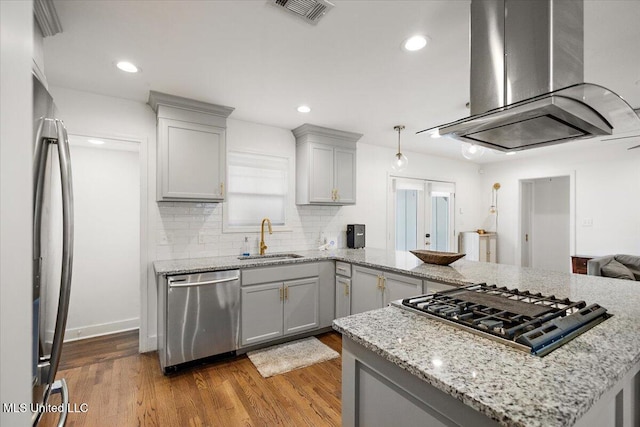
587 222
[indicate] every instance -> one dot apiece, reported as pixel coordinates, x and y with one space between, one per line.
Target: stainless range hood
527 72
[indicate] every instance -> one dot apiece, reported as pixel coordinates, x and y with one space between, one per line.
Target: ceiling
349 68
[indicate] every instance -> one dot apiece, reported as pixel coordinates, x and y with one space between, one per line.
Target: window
257 188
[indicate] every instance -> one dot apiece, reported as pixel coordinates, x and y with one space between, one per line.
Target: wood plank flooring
124 388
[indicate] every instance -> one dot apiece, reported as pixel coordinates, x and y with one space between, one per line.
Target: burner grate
529 321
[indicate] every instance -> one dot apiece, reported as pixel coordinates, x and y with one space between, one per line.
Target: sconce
494 198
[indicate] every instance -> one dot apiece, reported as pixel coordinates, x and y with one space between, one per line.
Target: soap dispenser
245 247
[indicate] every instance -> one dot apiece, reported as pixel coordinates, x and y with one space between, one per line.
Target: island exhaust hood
527 70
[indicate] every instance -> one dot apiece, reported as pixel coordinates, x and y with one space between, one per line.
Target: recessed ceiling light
510 153
414 43
436 134
127 67
304 109
96 141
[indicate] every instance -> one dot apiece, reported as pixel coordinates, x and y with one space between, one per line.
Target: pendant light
471 151
400 161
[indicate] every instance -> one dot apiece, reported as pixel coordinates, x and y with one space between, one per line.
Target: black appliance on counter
531 322
355 236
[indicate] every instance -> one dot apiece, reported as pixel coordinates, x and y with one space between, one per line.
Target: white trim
90 331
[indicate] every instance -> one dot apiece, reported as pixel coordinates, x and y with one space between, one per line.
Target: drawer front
343 269
279 273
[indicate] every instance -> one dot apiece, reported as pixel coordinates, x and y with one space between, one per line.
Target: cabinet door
400 287
321 174
191 161
343 297
365 293
345 175
492 254
261 312
300 305
487 249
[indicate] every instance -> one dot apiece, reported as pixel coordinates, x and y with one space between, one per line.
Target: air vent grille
309 10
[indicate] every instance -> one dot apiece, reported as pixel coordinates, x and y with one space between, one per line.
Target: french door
421 215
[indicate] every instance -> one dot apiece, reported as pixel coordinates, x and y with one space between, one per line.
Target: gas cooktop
531 322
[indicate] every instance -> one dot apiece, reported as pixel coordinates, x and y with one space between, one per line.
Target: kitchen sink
269 257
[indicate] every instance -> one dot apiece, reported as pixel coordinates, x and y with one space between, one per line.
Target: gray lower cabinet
371 289
283 300
262 315
273 310
300 305
376 392
343 296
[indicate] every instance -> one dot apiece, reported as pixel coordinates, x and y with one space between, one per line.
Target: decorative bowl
437 257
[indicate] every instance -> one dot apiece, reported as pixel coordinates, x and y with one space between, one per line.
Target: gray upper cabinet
191 148
325 166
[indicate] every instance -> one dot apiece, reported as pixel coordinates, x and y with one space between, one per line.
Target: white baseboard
150 344
89 331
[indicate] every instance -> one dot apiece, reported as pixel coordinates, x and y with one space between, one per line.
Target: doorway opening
546 237
421 215
109 225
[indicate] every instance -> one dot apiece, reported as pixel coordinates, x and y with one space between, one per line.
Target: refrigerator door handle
67 251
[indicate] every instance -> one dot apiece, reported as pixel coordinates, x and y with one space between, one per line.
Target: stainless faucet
263 247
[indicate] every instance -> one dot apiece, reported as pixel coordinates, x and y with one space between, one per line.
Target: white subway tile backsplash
194 230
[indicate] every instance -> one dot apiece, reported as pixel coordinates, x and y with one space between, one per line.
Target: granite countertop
395 261
508 385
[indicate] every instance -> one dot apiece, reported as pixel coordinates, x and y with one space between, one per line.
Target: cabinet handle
222 188
384 283
380 285
346 289
337 195
281 295
286 293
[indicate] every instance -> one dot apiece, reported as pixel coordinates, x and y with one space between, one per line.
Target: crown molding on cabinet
47 17
307 129
159 98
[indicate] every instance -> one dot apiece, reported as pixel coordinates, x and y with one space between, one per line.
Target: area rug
286 357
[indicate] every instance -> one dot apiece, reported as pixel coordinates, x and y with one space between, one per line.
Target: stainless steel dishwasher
200 318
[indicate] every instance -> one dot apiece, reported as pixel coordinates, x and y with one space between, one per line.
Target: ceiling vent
309 10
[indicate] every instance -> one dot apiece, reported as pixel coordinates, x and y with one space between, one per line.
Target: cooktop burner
531 322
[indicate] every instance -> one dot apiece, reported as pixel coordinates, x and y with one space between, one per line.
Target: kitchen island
579 383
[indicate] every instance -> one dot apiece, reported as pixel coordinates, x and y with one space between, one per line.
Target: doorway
421 214
545 223
108 195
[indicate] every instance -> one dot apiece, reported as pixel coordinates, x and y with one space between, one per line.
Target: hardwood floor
124 388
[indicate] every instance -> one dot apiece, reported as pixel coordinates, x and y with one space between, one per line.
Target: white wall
607 184
105 287
16 154
550 221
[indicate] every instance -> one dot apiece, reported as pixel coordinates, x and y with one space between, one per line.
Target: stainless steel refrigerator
52 249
